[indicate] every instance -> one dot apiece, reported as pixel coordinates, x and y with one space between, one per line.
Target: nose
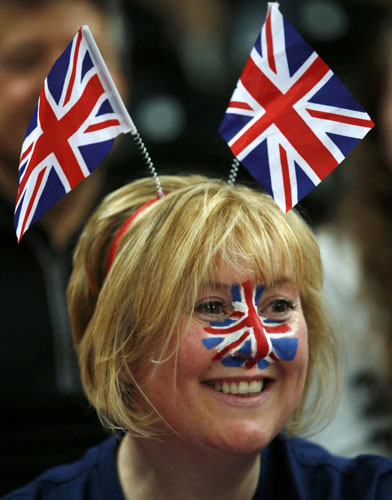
261 345
241 339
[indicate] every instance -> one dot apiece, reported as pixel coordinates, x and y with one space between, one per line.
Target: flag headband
290 121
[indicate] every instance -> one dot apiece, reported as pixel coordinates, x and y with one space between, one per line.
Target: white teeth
256 385
243 388
234 388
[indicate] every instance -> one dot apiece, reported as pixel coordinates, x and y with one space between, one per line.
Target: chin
246 438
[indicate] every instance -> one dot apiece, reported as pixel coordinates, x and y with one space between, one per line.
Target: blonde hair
134 311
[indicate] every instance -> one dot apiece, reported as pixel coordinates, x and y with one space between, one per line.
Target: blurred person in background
39 387
199 30
356 247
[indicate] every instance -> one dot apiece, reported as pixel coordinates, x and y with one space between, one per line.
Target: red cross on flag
79 113
290 120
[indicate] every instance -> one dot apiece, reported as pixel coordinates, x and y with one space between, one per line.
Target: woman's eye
278 307
210 308
213 310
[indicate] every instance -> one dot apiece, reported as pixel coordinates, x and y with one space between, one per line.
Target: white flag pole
118 104
108 83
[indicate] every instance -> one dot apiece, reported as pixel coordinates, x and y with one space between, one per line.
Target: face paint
247 339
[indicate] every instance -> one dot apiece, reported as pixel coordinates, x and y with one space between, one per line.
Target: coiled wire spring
147 159
233 171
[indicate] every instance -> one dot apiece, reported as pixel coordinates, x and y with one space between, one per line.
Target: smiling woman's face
236 408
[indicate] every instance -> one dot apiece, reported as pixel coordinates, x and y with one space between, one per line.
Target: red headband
121 231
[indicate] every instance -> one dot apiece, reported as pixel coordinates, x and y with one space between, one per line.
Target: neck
172 469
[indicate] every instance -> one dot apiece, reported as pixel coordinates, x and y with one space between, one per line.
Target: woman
199 326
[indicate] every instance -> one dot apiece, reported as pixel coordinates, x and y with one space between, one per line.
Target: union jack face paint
247 339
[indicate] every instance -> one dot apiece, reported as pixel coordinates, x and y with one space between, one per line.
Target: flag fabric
78 115
245 338
290 120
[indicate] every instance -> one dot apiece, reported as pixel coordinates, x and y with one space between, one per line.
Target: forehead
223 276
53 22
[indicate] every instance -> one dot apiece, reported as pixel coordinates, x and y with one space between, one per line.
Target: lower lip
242 401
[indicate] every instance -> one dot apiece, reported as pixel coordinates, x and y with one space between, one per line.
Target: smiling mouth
242 388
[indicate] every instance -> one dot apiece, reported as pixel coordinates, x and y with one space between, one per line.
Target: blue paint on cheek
212 342
262 364
233 361
273 321
285 348
245 348
226 322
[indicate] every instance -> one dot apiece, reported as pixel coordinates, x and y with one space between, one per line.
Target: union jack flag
79 113
245 338
290 120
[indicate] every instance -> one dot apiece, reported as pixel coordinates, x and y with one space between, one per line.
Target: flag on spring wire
78 115
290 120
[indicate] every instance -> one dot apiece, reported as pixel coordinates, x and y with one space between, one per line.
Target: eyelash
202 308
286 302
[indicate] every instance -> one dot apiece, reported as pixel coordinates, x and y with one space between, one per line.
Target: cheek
19 96
12 89
300 363
303 335
193 357
26 90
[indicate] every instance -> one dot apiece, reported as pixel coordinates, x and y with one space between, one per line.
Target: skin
210 430
31 39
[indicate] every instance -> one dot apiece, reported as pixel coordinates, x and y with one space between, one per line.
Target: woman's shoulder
87 479
313 472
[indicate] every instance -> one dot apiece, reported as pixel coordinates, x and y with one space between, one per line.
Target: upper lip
238 378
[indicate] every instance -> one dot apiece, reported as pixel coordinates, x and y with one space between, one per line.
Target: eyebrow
224 286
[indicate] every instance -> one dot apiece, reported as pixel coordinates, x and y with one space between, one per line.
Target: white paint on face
242 336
